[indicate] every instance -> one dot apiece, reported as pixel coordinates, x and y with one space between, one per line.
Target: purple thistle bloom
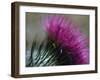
65 34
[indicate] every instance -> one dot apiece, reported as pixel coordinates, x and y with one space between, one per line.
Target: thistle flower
69 38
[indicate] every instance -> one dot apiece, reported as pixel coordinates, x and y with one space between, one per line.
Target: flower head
69 37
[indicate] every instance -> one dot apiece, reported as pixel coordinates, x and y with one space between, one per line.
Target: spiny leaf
41 55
